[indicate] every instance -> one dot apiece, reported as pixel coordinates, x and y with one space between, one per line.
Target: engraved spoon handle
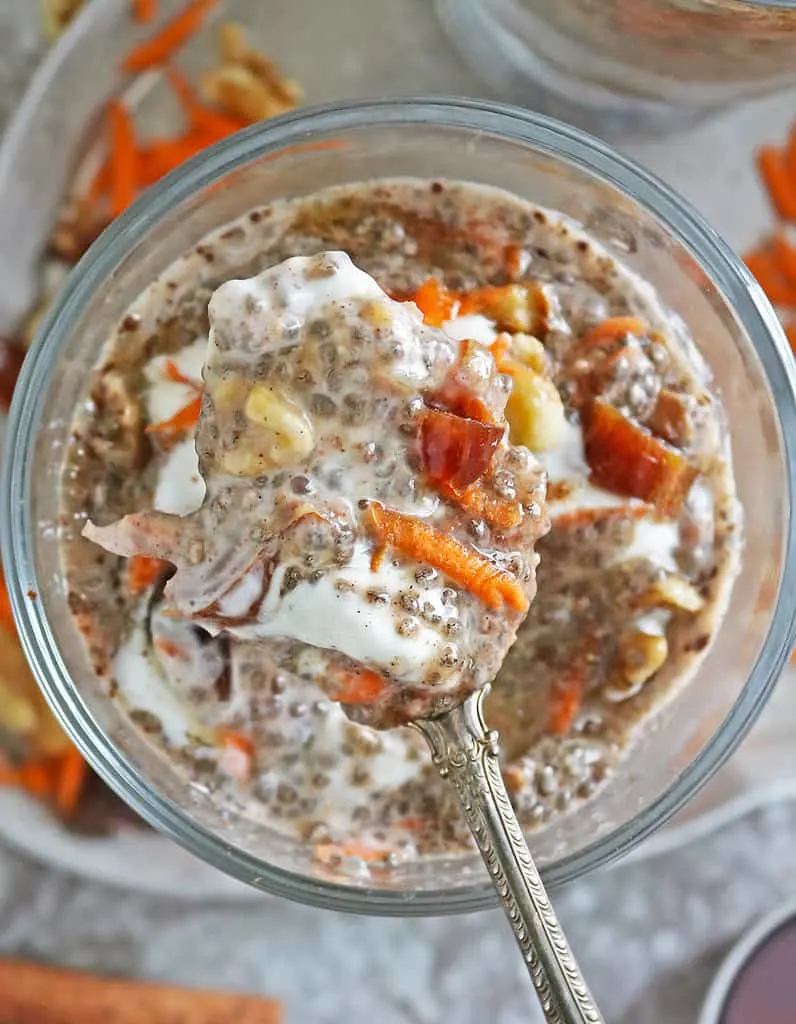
466 753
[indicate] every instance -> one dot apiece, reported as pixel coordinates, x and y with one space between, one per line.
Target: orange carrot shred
36 777
184 419
161 46
612 329
143 572
766 269
6 615
199 116
123 158
785 255
566 699
173 373
469 568
238 756
99 184
360 687
779 182
145 10
435 302
69 780
474 500
790 333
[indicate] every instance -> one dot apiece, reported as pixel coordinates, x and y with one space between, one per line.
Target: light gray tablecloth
649 934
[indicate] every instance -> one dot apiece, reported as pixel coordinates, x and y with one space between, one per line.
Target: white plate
82 67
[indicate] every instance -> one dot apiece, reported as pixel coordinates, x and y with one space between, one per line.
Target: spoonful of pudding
367 520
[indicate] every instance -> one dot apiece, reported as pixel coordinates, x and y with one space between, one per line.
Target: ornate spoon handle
465 752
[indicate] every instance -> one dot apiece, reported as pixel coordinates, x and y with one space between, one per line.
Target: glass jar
636 217
618 66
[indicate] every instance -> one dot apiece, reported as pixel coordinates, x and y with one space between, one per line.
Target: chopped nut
530 352
534 411
641 655
675 592
247 84
56 15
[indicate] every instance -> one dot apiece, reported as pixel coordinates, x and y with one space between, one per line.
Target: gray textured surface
649 935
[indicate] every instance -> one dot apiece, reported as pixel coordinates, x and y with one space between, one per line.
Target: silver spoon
466 753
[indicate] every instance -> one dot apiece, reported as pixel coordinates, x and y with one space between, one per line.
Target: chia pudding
603 388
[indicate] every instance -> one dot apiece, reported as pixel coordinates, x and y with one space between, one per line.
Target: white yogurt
165 397
180 488
334 613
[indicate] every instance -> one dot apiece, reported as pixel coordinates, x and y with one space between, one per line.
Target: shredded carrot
612 329
474 500
501 353
36 777
237 741
435 302
238 757
581 517
785 255
6 615
123 158
143 572
566 699
328 853
770 277
173 373
790 334
199 116
412 823
160 47
184 419
70 778
469 568
777 177
170 648
145 10
513 260
362 687
790 153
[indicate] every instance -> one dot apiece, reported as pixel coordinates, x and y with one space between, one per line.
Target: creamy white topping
335 613
655 540
165 397
474 327
180 488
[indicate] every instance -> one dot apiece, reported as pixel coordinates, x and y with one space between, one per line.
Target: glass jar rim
514 124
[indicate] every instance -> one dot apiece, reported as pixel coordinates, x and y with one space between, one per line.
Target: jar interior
680 731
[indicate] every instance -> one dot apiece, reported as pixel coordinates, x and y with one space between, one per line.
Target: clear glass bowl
639 219
627 65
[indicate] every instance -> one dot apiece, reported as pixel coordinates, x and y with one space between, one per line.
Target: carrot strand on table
123 158
770 277
145 10
161 46
778 179
785 256
464 565
70 778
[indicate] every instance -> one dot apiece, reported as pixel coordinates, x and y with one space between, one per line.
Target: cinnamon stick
30 994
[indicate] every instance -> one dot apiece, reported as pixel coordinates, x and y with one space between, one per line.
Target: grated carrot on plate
145 10
790 334
200 117
785 255
779 181
464 565
770 276
160 47
70 777
123 158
